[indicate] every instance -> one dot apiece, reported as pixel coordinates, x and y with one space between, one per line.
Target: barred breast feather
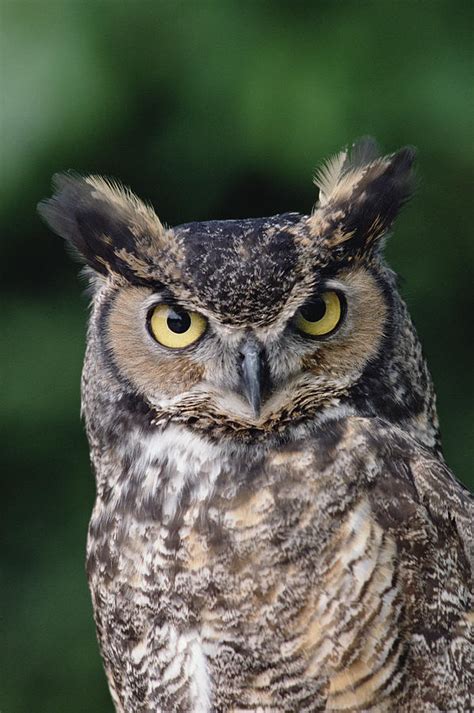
332 574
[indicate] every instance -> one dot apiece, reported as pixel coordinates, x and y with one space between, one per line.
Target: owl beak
253 373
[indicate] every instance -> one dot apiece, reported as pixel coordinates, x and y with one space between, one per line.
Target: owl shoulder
400 477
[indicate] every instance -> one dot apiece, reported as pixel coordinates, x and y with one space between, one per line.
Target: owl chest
272 568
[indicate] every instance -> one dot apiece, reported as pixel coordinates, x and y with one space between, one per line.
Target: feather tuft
360 196
328 175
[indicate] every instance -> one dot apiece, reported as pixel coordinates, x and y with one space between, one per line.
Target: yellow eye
320 316
175 327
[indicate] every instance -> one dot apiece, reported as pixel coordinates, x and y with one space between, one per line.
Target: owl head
248 329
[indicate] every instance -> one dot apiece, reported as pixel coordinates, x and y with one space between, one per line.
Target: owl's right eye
175 327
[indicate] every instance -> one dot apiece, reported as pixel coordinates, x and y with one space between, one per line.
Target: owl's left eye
175 327
320 316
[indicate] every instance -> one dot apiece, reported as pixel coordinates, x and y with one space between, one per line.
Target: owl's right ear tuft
360 196
111 229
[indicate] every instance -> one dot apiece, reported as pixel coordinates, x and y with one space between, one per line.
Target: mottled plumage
275 528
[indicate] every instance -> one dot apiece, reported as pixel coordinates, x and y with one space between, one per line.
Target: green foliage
208 109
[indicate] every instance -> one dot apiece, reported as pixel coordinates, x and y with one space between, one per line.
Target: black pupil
314 310
178 320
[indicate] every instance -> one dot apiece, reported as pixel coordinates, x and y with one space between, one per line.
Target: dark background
210 110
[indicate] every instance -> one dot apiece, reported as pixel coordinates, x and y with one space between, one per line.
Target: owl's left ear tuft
360 195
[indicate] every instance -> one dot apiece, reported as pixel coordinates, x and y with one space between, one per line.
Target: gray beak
253 373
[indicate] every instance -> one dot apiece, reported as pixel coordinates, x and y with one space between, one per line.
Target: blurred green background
210 110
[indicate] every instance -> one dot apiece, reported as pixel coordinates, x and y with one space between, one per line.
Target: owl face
241 327
193 357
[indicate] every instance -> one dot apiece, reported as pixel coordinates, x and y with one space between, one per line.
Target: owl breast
280 587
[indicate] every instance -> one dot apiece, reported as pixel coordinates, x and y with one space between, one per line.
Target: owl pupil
178 320
314 311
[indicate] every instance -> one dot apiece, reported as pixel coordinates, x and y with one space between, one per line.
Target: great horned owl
275 528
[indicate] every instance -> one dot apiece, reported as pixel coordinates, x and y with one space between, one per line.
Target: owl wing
438 564
419 521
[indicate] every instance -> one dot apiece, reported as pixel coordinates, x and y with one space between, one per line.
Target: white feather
328 176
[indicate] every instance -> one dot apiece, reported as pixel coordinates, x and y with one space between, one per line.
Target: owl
275 528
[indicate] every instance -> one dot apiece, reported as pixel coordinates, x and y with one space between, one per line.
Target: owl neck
157 473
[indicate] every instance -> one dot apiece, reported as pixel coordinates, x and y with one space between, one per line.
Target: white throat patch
193 459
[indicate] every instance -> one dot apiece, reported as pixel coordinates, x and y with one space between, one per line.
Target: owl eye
174 327
320 316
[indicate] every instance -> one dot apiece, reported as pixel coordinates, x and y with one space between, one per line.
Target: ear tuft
108 225
361 194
